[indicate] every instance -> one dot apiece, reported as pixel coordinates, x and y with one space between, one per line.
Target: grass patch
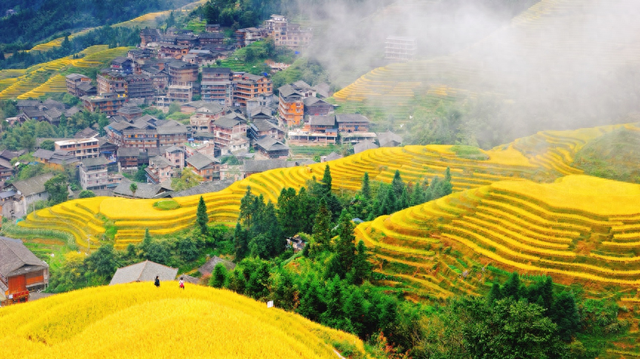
470 153
166 205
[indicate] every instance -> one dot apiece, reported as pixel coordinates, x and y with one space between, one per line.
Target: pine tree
404 200
241 243
564 313
417 197
355 309
361 265
345 247
202 218
511 288
326 180
289 211
146 240
277 241
366 189
322 227
397 184
495 293
334 315
246 206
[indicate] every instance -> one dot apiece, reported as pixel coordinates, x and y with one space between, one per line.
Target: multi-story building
400 48
272 148
74 81
285 34
170 51
204 166
93 173
148 36
140 138
261 127
246 37
217 85
229 127
314 106
290 105
108 103
129 111
128 157
211 38
215 28
172 133
123 65
159 170
320 130
111 82
352 123
175 155
248 86
140 86
81 148
183 83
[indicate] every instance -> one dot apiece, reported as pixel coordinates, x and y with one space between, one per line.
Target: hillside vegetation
613 155
141 321
541 157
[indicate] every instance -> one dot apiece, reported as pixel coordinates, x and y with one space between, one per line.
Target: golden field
577 229
541 157
140 321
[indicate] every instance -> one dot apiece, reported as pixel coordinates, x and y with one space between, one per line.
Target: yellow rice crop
141 321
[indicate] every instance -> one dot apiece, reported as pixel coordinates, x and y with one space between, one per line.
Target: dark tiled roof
44 154
33 185
128 152
199 160
145 190
271 144
288 90
386 139
264 125
216 70
333 156
143 272
327 120
363 146
16 259
207 187
95 161
354 117
76 77
172 128
254 166
86 133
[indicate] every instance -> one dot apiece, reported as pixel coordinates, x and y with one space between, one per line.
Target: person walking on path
181 283
157 282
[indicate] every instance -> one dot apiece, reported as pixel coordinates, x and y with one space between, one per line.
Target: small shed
20 270
143 272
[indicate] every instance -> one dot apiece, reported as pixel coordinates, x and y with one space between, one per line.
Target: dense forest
41 20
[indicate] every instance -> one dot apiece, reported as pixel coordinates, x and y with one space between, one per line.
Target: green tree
326 180
133 188
366 188
322 227
202 218
344 248
56 187
187 249
397 184
219 276
361 265
241 243
511 288
48 145
86 194
186 180
103 261
564 313
289 212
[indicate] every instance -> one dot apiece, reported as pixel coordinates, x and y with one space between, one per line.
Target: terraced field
577 229
541 157
138 320
47 77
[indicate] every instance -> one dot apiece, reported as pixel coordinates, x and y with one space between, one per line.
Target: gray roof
216 70
206 187
8 154
129 110
173 149
6 164
200 161
327 120
255 166
210 265
363 146
288 90
354 117
171 128
264 125
76 76
261 110
128 152
143 272
210 108
51 103
31 113
229 121
301 85
28 103
271 144
145 190
33 185
159 161
333 156
44 154
386 139
86 133
96 161
16 259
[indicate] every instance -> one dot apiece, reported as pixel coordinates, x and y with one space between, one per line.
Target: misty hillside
37 20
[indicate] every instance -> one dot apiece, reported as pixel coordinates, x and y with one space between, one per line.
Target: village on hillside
221 113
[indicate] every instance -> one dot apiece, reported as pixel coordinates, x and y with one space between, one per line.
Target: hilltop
139 320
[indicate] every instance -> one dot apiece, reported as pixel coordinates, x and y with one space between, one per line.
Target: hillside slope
140 321
542 157
578 229
540 63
